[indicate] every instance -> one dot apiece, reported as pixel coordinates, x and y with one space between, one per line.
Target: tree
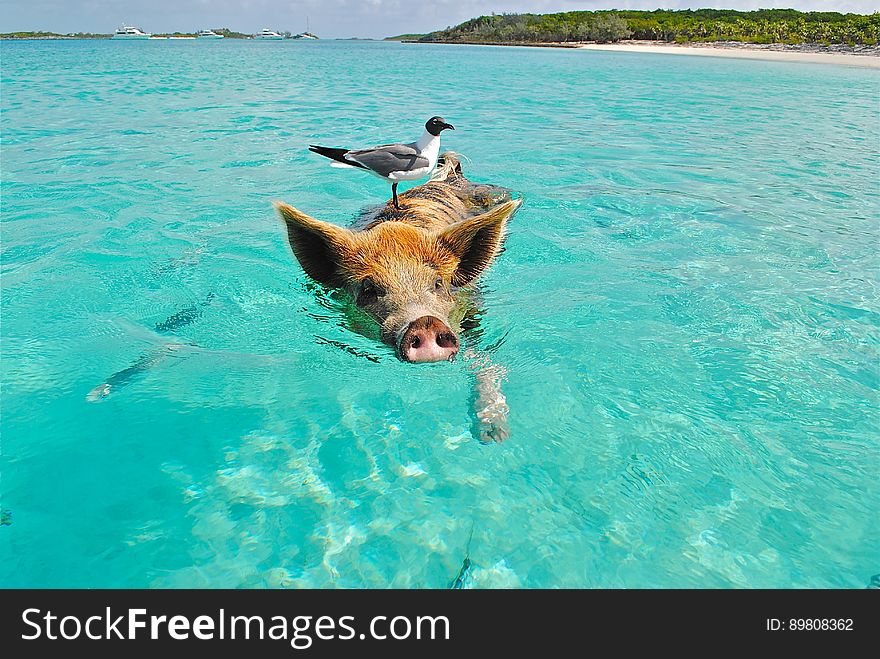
761 26
609 28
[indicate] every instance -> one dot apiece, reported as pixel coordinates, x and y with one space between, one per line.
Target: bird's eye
368 293
438 283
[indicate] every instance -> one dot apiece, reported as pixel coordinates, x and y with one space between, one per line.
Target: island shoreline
866 57
808 53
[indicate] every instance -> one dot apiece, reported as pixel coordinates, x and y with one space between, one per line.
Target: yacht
266 33
129 32
307 34
209 34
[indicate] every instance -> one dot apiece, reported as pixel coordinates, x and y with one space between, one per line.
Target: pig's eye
368 293
438 283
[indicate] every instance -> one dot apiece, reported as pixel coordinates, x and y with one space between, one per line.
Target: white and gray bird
394 162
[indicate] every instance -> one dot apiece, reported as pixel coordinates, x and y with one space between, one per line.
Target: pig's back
444 200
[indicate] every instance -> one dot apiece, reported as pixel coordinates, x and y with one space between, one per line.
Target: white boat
307 34
266 33
209 34
129 32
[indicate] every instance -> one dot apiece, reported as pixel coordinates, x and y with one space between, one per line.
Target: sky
332 18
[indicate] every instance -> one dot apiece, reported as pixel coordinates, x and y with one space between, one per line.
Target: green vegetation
761 26
229 34
405 37
53 35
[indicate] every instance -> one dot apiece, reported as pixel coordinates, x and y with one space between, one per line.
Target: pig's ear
318 246
476 241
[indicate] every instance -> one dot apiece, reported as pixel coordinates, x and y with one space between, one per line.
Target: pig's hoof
492 421
98 393
491 432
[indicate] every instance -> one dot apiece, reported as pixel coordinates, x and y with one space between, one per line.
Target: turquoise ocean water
687 310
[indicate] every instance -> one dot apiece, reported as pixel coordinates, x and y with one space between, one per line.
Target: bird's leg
394 192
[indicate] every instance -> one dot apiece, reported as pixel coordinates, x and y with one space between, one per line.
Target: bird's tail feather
334 154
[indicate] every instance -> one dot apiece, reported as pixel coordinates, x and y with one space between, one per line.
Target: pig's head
403 276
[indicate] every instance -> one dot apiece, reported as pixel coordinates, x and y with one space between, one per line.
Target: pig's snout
428 339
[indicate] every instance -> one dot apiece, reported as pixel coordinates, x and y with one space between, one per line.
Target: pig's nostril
427 339
446 340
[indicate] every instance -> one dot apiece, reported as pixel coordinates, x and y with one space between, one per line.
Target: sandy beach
863 56
871 61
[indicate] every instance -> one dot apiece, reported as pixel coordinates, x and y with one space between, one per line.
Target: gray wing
389 158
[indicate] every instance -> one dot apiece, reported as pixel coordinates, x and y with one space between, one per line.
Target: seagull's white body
428 146
393 162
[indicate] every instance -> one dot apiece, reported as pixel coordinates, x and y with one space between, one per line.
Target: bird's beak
449 126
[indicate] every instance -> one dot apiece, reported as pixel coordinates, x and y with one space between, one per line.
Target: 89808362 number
820 624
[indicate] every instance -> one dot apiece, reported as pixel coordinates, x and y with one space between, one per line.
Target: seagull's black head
436 125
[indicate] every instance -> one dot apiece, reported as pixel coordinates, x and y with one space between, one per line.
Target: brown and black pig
412 270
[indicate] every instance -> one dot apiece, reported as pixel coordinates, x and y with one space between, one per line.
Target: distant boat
266 33
209 34
129 32
307 34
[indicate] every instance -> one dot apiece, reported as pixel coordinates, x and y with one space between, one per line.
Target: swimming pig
412 269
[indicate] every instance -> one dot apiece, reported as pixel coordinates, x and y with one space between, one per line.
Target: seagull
394 162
